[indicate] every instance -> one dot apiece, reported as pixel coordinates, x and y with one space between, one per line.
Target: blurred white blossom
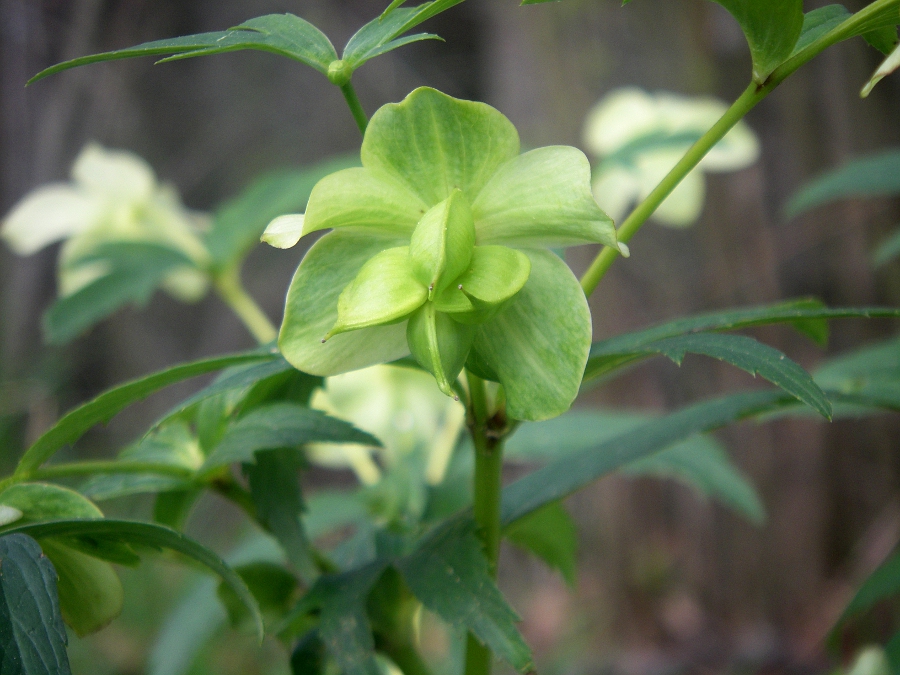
639 137
399 406
113 197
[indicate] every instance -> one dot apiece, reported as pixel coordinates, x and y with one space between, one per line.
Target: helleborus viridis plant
440 248
113 196
639 137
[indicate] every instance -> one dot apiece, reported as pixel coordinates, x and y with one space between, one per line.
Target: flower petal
384 291
542 198
115 174
538 344
435 143
46 215
442 244
361 199
285 231
311 309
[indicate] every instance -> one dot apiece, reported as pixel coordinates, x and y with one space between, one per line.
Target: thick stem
486 503
755 93
359 115
228 285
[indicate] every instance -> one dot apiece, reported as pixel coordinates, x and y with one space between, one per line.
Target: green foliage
550 534
32 636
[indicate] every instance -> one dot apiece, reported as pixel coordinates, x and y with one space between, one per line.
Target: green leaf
698 461
308 657
573 472
281 425
90 593
272 586
103 408
136 271
772 28
883 583
449 574
869 376
44 501
311 309
550 534
384 292
283 34
380 35
870 176
146 534
441 246
172 507
363 200
275 490
433 144
888 66
343 623
818 22
32 636
538 344
805 315
542 198
239 223
887 250
883 39
753 357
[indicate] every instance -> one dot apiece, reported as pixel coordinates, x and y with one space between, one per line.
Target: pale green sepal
888 66
442 243
284 231
9 514
311 309
542 198
385 291
90 593
434 143
538 344
362 199
439 344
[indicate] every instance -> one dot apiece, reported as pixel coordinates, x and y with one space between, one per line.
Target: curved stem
486 503
755 93
229 287
359 115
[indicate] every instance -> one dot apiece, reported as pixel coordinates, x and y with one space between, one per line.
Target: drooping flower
639 137
113 197
439 248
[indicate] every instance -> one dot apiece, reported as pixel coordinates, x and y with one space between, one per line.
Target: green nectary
438 249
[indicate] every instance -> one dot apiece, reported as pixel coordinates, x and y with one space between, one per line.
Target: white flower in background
401 407
639 137
113 197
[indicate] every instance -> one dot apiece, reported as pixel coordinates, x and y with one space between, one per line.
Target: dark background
668 583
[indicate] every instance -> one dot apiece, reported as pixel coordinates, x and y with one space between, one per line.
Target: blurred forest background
667 583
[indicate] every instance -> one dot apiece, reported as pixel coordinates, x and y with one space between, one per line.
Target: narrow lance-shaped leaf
103 408
146 534
283 34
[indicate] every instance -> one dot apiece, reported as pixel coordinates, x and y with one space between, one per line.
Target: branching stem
231 290
356 109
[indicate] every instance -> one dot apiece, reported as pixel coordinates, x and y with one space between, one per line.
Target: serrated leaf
32 636
550 534
103 408
563 477
449 574
772 28
344 626
281 425
146 534
239 223
806 315
90 593
275 489
283 34
135 271
699 461
870 176
537 345
751 356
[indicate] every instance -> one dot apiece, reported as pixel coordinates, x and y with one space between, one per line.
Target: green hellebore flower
439 248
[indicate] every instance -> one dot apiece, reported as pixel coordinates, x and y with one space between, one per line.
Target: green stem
355 107
228 285
486 503
407 659
755 93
